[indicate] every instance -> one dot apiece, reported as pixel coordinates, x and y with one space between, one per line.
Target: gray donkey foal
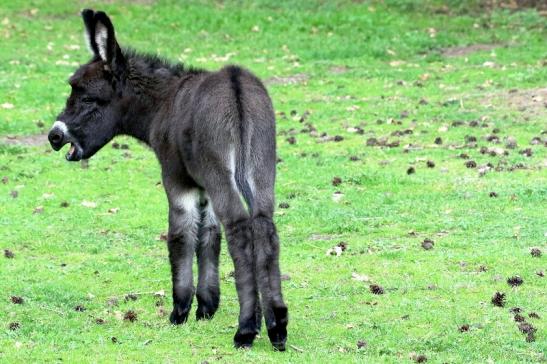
214 136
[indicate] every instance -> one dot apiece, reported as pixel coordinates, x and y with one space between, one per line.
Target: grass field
397 123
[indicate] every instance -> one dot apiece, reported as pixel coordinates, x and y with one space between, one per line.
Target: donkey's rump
233 120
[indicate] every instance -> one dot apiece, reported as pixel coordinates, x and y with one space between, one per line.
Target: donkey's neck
136 122
151 82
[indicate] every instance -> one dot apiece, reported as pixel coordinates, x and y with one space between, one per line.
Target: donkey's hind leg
266 259
261 176
208 250
219 184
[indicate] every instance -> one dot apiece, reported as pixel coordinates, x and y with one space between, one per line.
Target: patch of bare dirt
323 237
337 70
25 140
289 80
539 5
530 102
465 50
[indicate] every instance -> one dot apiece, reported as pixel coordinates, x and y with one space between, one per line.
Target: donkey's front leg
181 240
208 250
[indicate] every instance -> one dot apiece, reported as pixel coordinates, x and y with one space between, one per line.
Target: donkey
214 136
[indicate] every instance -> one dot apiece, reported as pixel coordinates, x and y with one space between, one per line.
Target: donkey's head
93 112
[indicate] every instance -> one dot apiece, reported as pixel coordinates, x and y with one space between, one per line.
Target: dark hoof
244 341
278 337
278 332
205 313
179 315
207 307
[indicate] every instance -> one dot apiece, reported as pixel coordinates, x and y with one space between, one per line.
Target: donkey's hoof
278 332
244 341
278 337
179 315
205 313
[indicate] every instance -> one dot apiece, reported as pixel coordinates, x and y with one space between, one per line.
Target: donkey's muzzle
56 138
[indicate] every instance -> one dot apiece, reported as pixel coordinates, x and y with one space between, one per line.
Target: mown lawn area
412 163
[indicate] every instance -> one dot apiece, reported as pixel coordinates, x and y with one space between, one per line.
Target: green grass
76 255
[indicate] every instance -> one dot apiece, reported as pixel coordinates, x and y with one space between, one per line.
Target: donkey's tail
256 151
242 151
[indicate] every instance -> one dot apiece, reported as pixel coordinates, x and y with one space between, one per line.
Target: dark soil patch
515 281
17 300
533 315
376 289
79 308
8 254
498 299
372 142
471 164
336 181
130 316
131 297
464 328
428 244
492 138
518 318
527 328
14 326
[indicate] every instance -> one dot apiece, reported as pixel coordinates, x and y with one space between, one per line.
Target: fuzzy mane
153 63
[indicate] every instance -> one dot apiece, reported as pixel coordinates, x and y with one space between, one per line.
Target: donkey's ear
88 17
101 37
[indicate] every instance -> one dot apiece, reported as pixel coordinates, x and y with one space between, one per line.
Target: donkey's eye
88 100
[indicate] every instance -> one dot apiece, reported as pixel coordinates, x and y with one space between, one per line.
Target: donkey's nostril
56 138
